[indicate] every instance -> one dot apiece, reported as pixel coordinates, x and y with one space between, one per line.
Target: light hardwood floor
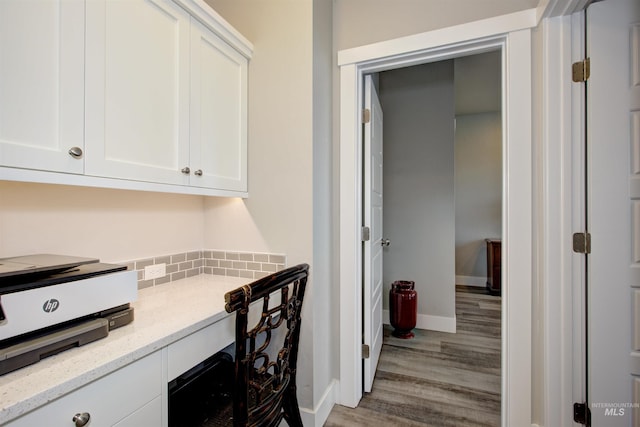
437 378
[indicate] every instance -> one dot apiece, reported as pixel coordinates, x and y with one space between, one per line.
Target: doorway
516 59
442 179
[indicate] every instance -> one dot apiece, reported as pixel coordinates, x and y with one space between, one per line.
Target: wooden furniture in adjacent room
494 271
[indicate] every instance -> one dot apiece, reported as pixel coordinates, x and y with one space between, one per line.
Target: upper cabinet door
218 155
41 84
137 90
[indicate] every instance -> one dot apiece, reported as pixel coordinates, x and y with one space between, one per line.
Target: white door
613 212
372 250
42 84
137 90
218 131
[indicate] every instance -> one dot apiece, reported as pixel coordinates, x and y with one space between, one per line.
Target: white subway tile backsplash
249 265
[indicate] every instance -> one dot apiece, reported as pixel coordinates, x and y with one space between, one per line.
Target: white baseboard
471 281
429 322
318 416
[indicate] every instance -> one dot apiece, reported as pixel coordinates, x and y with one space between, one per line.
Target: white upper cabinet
137 90
42 84
150 94
218 150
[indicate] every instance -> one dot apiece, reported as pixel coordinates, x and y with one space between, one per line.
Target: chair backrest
266 355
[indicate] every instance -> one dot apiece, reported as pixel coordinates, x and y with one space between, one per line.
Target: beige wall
279 215
361 22
112 225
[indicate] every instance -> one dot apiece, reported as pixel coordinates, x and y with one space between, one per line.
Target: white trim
46 177
429 322
318 416
517 196
517 229
551 8
479 281
349 240
211 19
576 362
554 234
462 33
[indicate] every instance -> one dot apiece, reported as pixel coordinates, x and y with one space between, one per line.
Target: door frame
512 34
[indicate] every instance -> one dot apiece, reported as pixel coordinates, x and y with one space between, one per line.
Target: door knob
385 242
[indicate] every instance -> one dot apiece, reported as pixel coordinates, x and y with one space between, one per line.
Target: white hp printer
49 303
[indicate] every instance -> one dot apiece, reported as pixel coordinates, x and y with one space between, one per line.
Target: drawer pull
75 152
81 419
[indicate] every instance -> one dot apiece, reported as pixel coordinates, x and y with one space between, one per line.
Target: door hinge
366 116
365 351
581 70
366 234
581 414
582 243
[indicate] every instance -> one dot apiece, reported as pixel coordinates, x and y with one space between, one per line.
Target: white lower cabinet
130 396
149 415
193 349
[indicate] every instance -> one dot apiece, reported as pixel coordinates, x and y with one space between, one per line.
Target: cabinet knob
198 172
385 242
186 170
81 419
75 152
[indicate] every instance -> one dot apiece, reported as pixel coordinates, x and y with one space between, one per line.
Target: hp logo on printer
50 305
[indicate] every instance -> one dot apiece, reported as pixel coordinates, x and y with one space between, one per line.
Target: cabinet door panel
218 112
137 90
41 84
149 415
108 400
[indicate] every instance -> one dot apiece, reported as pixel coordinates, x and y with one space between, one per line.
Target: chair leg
291 408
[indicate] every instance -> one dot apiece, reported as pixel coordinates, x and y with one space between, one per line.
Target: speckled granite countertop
163 314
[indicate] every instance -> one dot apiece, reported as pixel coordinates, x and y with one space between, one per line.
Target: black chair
264 389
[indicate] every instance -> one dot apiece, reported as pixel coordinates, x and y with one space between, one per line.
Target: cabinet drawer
109 400
193 349
149 415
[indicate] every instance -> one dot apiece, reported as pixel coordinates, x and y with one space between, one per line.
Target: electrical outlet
154 271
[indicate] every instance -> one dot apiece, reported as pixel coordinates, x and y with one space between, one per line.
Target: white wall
112 225
478 189
419 215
